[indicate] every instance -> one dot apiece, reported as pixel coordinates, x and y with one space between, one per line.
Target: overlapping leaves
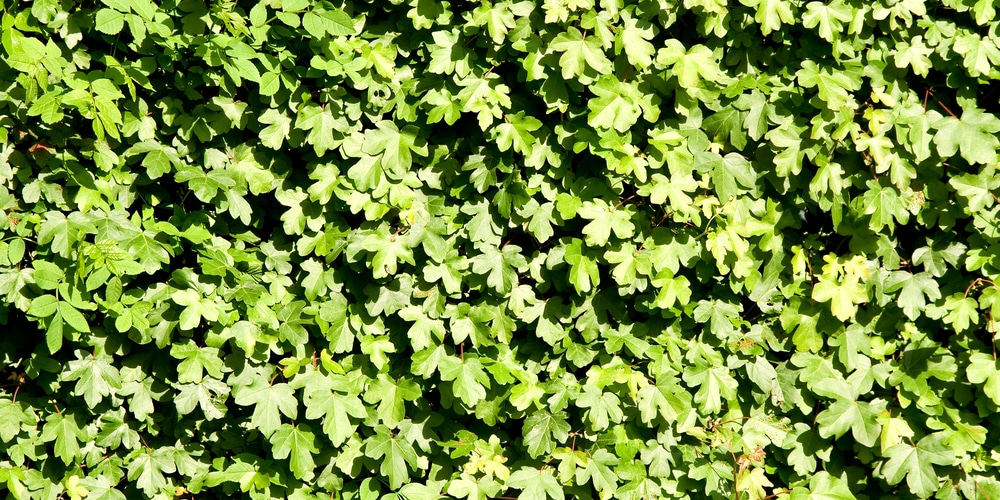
536 249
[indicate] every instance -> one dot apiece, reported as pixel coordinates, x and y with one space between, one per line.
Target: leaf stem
620 203
777 494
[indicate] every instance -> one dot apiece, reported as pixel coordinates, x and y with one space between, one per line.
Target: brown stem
620 203
779 493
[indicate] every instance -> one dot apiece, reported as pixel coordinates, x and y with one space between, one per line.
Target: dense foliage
406 248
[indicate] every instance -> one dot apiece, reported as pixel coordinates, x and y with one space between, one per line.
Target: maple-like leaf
824 486
536 484
616 106
843 296
298 444
196 360
914 54
66 433
634 38
860 417
269 402
146 467
977 189
753 483
579 55
469 380
95 376
278 126
974 135
916 463
771 14
395 453
544 430
605 219
691 66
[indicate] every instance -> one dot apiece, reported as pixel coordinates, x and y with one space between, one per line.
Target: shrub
314 249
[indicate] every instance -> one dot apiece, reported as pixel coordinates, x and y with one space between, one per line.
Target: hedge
499 249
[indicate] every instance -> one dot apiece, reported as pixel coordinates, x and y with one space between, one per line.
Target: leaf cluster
532 249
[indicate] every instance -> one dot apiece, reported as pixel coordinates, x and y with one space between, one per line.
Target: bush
314 249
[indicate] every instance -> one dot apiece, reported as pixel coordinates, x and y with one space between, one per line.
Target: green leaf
43 306
977 189
395 147
469 380
664 400
914 54
497 18
599 472
824 486
15 416
298 443
916 463
67 434
914 291
584 274
536 484
616 106
974 135
885 205
95 375
691 66
543 431
753 483
47 275
270 401
634 38
196 360
833 84
714 384
109 21
731 175
860 417
208 394
605 219
843 296
771 14
116 432
320 23
516 131
395 453
196 307
323 399
278 126
73 317
673 289
205 184
829 19
320 124
963 311
603 408
983 368
391 396
580 56
980 55
728 124
147 467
